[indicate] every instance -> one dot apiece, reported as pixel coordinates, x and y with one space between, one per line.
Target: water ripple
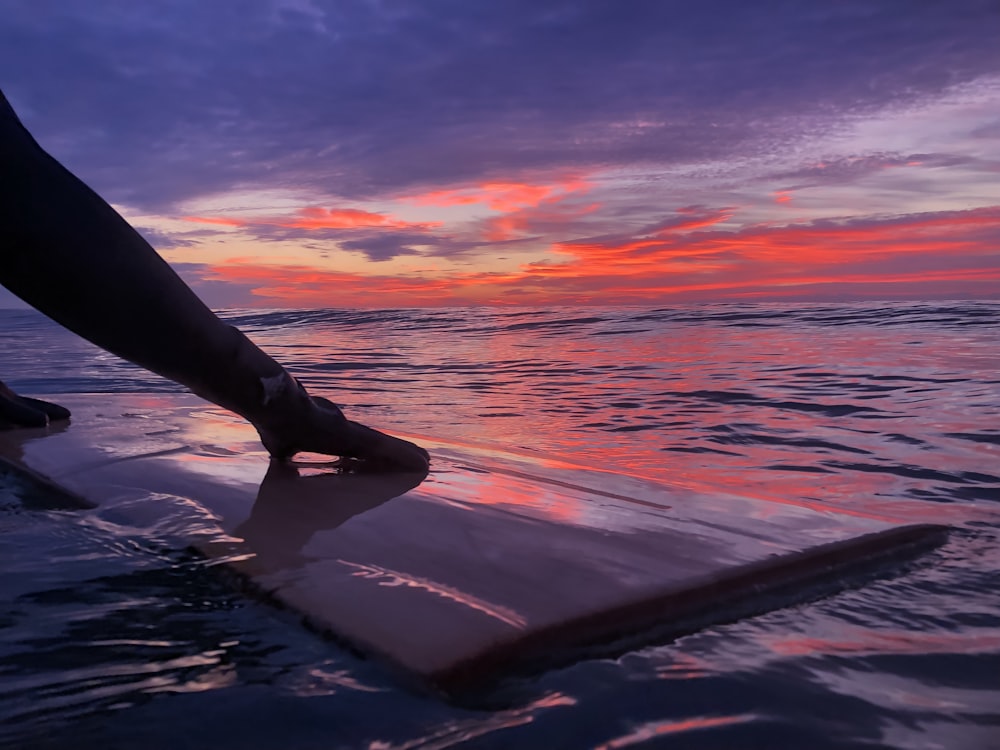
884 409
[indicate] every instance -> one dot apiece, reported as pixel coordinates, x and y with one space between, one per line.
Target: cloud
874 249
160 102
165 240
304 286
852 169
689 257
379 247
314 217
527 210
517 211
845 169
348 228
228 293
503 196
349 218
561 134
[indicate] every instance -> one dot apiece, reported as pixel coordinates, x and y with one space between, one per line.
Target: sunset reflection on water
775 401
867 410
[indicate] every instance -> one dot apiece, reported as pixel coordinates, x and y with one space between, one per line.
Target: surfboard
494 563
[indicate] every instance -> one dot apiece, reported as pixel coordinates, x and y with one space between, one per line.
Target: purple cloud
160 102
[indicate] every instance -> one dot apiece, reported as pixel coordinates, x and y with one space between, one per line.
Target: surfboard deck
492 563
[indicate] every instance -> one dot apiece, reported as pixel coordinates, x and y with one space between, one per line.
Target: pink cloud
315 217
502 195
689 256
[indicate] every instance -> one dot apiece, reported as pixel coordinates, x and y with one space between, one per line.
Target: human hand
298 422
21 411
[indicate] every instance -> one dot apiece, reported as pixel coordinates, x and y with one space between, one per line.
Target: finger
342 437
377 446
325 429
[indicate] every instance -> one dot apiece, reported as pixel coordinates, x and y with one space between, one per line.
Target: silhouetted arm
66 252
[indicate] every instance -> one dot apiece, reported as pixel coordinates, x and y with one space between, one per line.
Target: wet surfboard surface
495 562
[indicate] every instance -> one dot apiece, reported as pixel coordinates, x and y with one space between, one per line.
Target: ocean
113 636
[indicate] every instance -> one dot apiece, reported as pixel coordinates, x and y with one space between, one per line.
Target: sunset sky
399 153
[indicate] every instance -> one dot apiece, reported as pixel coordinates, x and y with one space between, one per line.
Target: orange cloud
690 257
786 250
635 255
350 218
315 217
216 220
303 286
524 207
550 213
502 196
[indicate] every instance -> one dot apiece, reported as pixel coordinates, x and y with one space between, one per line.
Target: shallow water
112 635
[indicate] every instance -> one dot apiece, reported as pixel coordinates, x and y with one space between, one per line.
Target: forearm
69 254
65 251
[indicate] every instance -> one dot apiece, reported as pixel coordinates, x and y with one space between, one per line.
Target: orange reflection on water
503 490
651 730
153 401
858 640
214 426
760 412
208 433
683 666
460 732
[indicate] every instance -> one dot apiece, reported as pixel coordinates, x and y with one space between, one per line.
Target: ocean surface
117 637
